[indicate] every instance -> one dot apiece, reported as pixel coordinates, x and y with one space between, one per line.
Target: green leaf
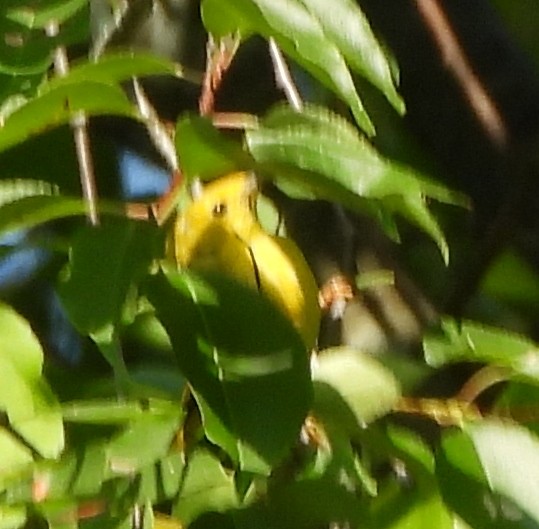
206 153
303 505
31 211
61 104
14 456
304 36
474 342
171 470
523 289
38 17
415 509
207 487
145 441
25 397
346 25
80 472
12 517
245 362
509 455
24 52
103 411
466 483
116 67
327 156
44 431
19 345
15 189
104 264
352 388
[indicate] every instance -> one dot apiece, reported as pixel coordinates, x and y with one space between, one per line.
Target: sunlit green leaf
44 430
365 389
12 517
11 190
14 456
29 212
40 16
509 455
19 344
337 163
61 104
31 408
346 25
101 411
473 342
116 67
207 487
465 482
145 441
302 35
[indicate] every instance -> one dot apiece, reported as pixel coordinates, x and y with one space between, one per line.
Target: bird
219 232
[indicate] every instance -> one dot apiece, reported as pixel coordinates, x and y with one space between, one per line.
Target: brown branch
455 59
219 57
79 125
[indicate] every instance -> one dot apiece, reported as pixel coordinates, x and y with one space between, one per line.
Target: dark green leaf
104 264
206 153
24 52
303 505
249 373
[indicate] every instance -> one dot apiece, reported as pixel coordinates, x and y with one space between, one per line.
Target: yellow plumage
219 231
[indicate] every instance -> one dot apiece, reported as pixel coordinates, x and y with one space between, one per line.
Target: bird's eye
219 210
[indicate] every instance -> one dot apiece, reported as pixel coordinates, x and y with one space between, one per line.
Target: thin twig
482 380
79 125
457 63
160 136
283 77
219 57
108 30
235 120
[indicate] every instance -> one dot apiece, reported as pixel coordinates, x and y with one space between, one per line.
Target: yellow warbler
219 231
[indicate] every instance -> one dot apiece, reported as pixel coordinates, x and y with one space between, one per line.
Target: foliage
222 420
